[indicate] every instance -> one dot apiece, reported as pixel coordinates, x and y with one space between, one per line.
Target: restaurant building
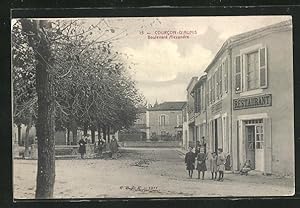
248 93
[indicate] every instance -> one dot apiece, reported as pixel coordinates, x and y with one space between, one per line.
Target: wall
170 125
223 111
280 85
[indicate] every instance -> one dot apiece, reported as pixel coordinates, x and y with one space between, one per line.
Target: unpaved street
142 173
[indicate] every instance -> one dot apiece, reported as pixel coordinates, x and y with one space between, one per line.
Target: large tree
74 78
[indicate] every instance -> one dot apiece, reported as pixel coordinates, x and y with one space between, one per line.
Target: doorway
255 143
216 135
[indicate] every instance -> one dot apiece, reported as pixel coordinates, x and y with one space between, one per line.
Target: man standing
82 149
190 161
113 146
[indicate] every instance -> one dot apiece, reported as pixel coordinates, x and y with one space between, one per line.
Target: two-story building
164 121
249 100
189 138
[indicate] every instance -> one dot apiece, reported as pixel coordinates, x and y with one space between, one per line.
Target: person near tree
190 162
113 146
82 148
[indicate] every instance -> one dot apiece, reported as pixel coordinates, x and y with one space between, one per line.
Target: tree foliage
90 79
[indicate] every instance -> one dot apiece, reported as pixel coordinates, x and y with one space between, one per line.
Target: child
213 166
221 159
246 168
190 161
201 165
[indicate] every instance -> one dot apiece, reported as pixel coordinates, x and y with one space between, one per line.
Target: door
216 135
250 148
259 147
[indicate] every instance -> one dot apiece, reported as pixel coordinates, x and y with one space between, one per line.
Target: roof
243 37
200 81
166 106
191 81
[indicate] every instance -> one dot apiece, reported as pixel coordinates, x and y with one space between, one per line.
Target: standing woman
190 161
201 163
221 160
82 149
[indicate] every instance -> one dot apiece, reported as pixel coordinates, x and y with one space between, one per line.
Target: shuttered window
238 74
226 76
220 81
213 89
263 68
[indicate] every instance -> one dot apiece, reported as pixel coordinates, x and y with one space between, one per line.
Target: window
220 81
179 119
162 120
238 74
213 88
251 70
259 137
226 75
217 83
209 90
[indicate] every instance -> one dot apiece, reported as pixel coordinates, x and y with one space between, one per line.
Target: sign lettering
252 102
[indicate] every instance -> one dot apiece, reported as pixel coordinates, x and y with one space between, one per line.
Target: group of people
215 162
113 146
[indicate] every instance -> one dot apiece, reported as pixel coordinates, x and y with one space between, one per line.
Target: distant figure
221 160
82 149
190 161
197 150
246 168
201 165
101 145
113 146
213 166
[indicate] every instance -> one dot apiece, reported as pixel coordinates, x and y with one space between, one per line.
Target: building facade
164 121
189 139
244 103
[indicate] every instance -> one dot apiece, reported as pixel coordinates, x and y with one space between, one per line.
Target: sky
162 68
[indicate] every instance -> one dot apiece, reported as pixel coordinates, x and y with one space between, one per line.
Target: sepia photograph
152 107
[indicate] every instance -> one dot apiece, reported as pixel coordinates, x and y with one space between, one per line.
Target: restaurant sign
252 102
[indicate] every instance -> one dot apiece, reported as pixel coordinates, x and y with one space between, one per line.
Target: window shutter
226 76
221 77
213 86
267 136
238 74
263 72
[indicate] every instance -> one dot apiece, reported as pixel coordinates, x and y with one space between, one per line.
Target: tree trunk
20 135
68 136
45 126
108 134
74 133
85 129
99 132
26 139
104 133
93 135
